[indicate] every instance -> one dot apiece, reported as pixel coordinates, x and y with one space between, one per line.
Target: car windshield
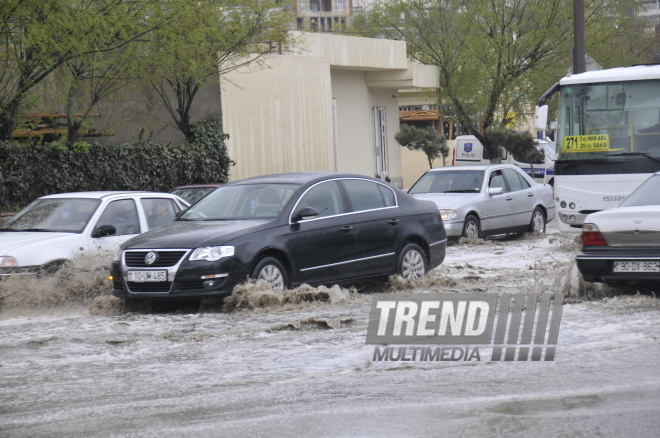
192 194
54 214
549 149
243 201
455 181
646 194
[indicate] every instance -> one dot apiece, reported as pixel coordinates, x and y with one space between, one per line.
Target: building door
381 141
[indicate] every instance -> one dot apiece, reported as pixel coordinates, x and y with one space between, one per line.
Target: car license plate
143 276
636 266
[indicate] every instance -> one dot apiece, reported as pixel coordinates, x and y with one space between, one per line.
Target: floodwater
297 365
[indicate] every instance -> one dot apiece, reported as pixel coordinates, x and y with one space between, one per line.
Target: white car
623 243
56 229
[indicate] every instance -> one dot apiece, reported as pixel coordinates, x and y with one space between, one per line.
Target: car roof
102 194
482 167
298 178
195 186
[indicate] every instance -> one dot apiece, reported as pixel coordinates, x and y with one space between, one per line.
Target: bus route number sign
586 143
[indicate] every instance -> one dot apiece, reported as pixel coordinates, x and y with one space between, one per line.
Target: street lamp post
578 37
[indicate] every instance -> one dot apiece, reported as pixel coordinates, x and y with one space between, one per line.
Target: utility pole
579 65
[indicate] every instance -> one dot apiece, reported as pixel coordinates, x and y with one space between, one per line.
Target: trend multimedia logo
462 326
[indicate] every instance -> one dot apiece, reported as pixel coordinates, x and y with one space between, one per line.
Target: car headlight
118 255
8 262
212 253
448 214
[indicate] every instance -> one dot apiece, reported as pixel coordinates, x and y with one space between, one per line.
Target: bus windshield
609 119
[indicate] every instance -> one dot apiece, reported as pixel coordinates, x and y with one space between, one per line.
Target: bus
607 138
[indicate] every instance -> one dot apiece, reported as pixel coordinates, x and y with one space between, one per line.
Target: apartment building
323 15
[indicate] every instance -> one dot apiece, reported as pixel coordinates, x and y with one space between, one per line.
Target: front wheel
471 228
538 221
271 271
412 262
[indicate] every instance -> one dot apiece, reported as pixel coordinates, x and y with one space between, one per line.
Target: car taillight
453 157
592 236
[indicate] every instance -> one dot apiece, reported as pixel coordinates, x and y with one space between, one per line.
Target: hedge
30 171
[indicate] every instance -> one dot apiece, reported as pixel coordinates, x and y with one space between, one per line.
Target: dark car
287 229
623 243
193 193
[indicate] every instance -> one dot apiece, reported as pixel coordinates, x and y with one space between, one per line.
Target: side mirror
541 118
105 230
305 213
495 190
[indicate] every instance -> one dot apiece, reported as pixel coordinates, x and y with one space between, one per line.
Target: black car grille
158 286
135 259
117 284
190 284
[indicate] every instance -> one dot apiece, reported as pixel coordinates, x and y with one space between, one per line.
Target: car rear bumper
597 266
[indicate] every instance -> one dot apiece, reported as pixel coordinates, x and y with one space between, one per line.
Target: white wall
279 118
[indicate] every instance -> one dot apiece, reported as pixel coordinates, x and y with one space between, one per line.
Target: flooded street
298 366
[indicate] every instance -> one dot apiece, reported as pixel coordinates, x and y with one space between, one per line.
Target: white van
469 151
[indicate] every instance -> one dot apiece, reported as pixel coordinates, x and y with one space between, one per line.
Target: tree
426 140
39 36
497 57
521 145
92 79
208 39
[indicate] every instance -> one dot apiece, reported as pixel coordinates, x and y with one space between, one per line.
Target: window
122 215
314 6
367 195
512 179
523 181
496 179
340 5
159 212
325 198
302 6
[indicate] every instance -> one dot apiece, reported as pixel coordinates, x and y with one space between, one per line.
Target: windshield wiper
461 191
45 229
637 154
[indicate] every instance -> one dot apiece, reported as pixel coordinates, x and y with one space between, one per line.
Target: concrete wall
415 163
279 118
355 125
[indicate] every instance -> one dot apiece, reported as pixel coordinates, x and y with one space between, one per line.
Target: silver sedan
478 201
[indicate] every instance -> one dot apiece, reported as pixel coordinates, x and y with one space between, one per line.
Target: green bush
30 171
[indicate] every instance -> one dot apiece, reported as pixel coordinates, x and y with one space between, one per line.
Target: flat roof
634 73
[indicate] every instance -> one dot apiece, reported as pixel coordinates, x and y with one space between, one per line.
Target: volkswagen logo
150 258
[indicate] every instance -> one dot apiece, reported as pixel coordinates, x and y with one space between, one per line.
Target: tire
412 262
471 228
538 221
272 272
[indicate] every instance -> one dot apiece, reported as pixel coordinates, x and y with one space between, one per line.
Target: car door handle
530 194
393 222
347 229
509 199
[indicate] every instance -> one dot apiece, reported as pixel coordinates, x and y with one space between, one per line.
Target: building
323 15
331 105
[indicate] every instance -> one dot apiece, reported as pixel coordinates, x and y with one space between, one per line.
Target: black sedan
287 229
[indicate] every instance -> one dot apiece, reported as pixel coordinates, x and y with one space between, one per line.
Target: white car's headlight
448 214
8 262
118 255
212 253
